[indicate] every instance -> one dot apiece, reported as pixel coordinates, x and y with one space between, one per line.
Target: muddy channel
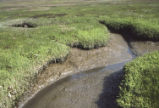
88 78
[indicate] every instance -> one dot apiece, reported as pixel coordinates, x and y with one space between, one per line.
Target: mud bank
80 89
78 60
142 47
91 89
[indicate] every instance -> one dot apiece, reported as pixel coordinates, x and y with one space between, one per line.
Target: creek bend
94 76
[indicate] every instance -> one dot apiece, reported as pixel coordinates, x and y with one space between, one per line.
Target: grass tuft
139 28
140 86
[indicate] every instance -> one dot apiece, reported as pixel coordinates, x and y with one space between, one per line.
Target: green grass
22 54
140 87
138 27
25 50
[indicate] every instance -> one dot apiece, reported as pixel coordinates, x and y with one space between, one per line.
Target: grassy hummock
25 50
140 85
137 27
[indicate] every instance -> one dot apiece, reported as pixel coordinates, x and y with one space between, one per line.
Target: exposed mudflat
96 88
117 51
142 47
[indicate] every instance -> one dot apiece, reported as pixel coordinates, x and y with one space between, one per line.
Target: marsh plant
24 50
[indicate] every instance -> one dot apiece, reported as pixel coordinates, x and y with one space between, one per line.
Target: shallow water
81 90
95 88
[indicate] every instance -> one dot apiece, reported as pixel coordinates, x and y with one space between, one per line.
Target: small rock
41 86
9 95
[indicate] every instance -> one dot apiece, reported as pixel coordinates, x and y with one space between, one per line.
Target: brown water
91 89
95 88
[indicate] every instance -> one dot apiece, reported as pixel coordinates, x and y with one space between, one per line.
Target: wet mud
88 78
96 88
142 47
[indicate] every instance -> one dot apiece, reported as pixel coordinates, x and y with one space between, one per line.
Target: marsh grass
21 60
139 28
23 51
140 87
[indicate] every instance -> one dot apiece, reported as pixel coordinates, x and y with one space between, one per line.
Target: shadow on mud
129 34
107 99
139 44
